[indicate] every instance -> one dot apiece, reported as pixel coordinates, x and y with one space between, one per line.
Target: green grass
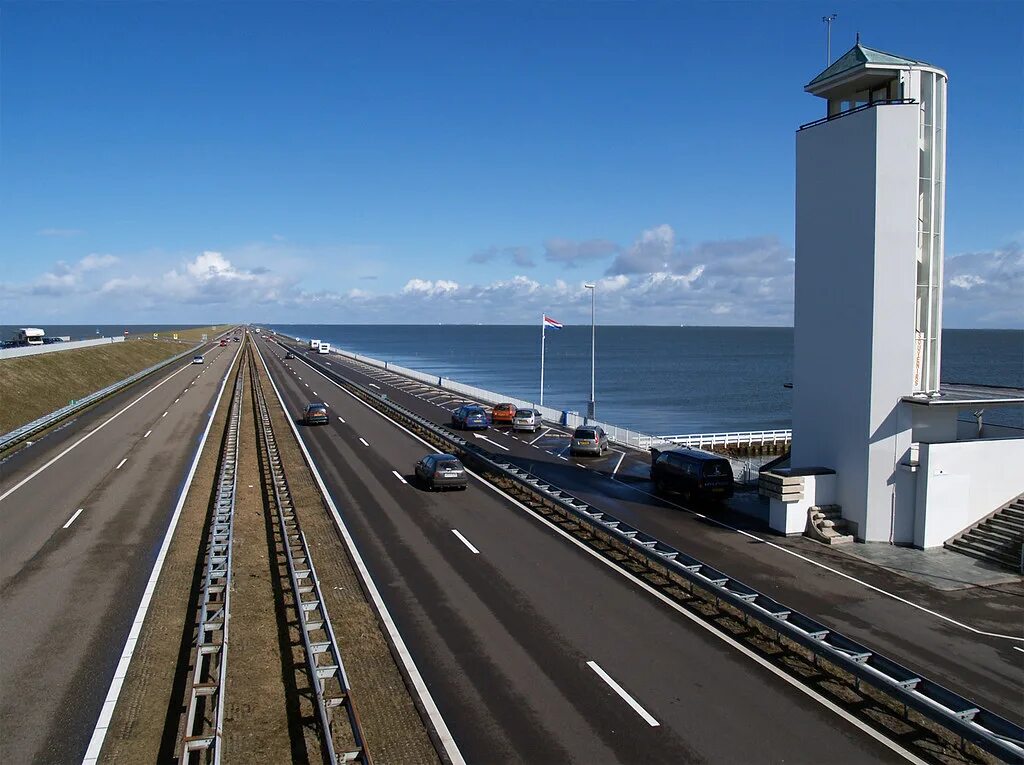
34 386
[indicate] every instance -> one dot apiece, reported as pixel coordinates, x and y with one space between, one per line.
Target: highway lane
983 668
77 541
505 617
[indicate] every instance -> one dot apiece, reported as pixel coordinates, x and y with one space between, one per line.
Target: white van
314 345
325 347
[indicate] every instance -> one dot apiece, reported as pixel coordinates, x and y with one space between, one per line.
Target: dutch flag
551 323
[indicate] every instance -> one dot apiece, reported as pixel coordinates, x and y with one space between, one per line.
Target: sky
462 162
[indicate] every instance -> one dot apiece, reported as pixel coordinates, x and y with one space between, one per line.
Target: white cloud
985 289
60 232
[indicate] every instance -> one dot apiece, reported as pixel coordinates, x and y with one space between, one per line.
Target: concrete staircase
825 524
997 538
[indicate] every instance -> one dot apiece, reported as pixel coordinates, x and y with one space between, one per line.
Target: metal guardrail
941 706
739 438
204 722
323 658
27 431
855 110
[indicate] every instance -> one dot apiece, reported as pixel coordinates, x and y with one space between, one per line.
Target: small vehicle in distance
223 343
441 471
471 417
503 414
526 419
315 414
693 473
289 355
198 359
590 440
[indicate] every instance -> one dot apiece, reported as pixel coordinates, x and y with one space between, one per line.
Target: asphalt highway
533 648
82 515
864 604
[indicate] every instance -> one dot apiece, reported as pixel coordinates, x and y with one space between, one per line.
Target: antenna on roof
828 37
858 38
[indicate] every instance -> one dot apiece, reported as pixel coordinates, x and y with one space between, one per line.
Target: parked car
289 355
315 414
590 439
503 414
441 471
198 359
692 473
470 417
526 419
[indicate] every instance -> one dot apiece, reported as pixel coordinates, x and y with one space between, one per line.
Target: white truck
325 347
314 345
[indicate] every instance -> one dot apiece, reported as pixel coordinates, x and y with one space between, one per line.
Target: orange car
502 414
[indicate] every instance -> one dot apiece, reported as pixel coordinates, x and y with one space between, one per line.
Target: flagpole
542 359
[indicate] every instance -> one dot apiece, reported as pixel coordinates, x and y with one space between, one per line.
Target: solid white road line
399 476
644 585
363 441
92 432
71 520
1018 648
625 696
617 464
835 571
147 433
374 385
92 754
538 438
414 677
121 463
465 541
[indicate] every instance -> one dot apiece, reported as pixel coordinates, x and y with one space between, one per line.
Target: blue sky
461 162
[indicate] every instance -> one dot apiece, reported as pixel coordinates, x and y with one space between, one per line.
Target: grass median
34 386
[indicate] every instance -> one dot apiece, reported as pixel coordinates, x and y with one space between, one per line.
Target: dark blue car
471 417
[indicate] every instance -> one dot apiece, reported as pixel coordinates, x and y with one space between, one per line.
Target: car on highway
315 413
198 359
471 417
590 440
441 471
223 343
289 355
693 473
526 419
503 414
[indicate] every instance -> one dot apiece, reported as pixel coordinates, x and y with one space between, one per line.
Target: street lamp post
592 406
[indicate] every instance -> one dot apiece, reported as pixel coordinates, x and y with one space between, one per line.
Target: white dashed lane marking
71 520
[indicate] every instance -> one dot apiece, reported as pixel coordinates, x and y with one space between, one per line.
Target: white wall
34 350
856 229
960 483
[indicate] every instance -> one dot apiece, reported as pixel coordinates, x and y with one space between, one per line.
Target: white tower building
868 309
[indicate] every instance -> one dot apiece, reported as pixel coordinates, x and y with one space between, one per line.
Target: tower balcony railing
854 110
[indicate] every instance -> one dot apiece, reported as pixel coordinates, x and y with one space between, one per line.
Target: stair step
1003 560
1005 523
995 534
1013 512
998 544
984 547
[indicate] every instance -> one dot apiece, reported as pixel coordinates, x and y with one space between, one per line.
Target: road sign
155 336
205 337
175 335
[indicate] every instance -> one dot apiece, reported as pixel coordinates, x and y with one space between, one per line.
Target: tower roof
861 57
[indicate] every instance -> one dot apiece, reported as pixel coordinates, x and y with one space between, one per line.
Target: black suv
692 473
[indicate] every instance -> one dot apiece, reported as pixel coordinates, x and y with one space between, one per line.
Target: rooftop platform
968 394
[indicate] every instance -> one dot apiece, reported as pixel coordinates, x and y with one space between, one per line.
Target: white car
526 419
198 359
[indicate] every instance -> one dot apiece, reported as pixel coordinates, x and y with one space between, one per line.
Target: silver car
526 419
590 440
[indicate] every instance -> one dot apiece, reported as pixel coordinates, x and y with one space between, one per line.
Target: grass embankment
34 386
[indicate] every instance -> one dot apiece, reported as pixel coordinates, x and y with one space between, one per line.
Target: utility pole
828 36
